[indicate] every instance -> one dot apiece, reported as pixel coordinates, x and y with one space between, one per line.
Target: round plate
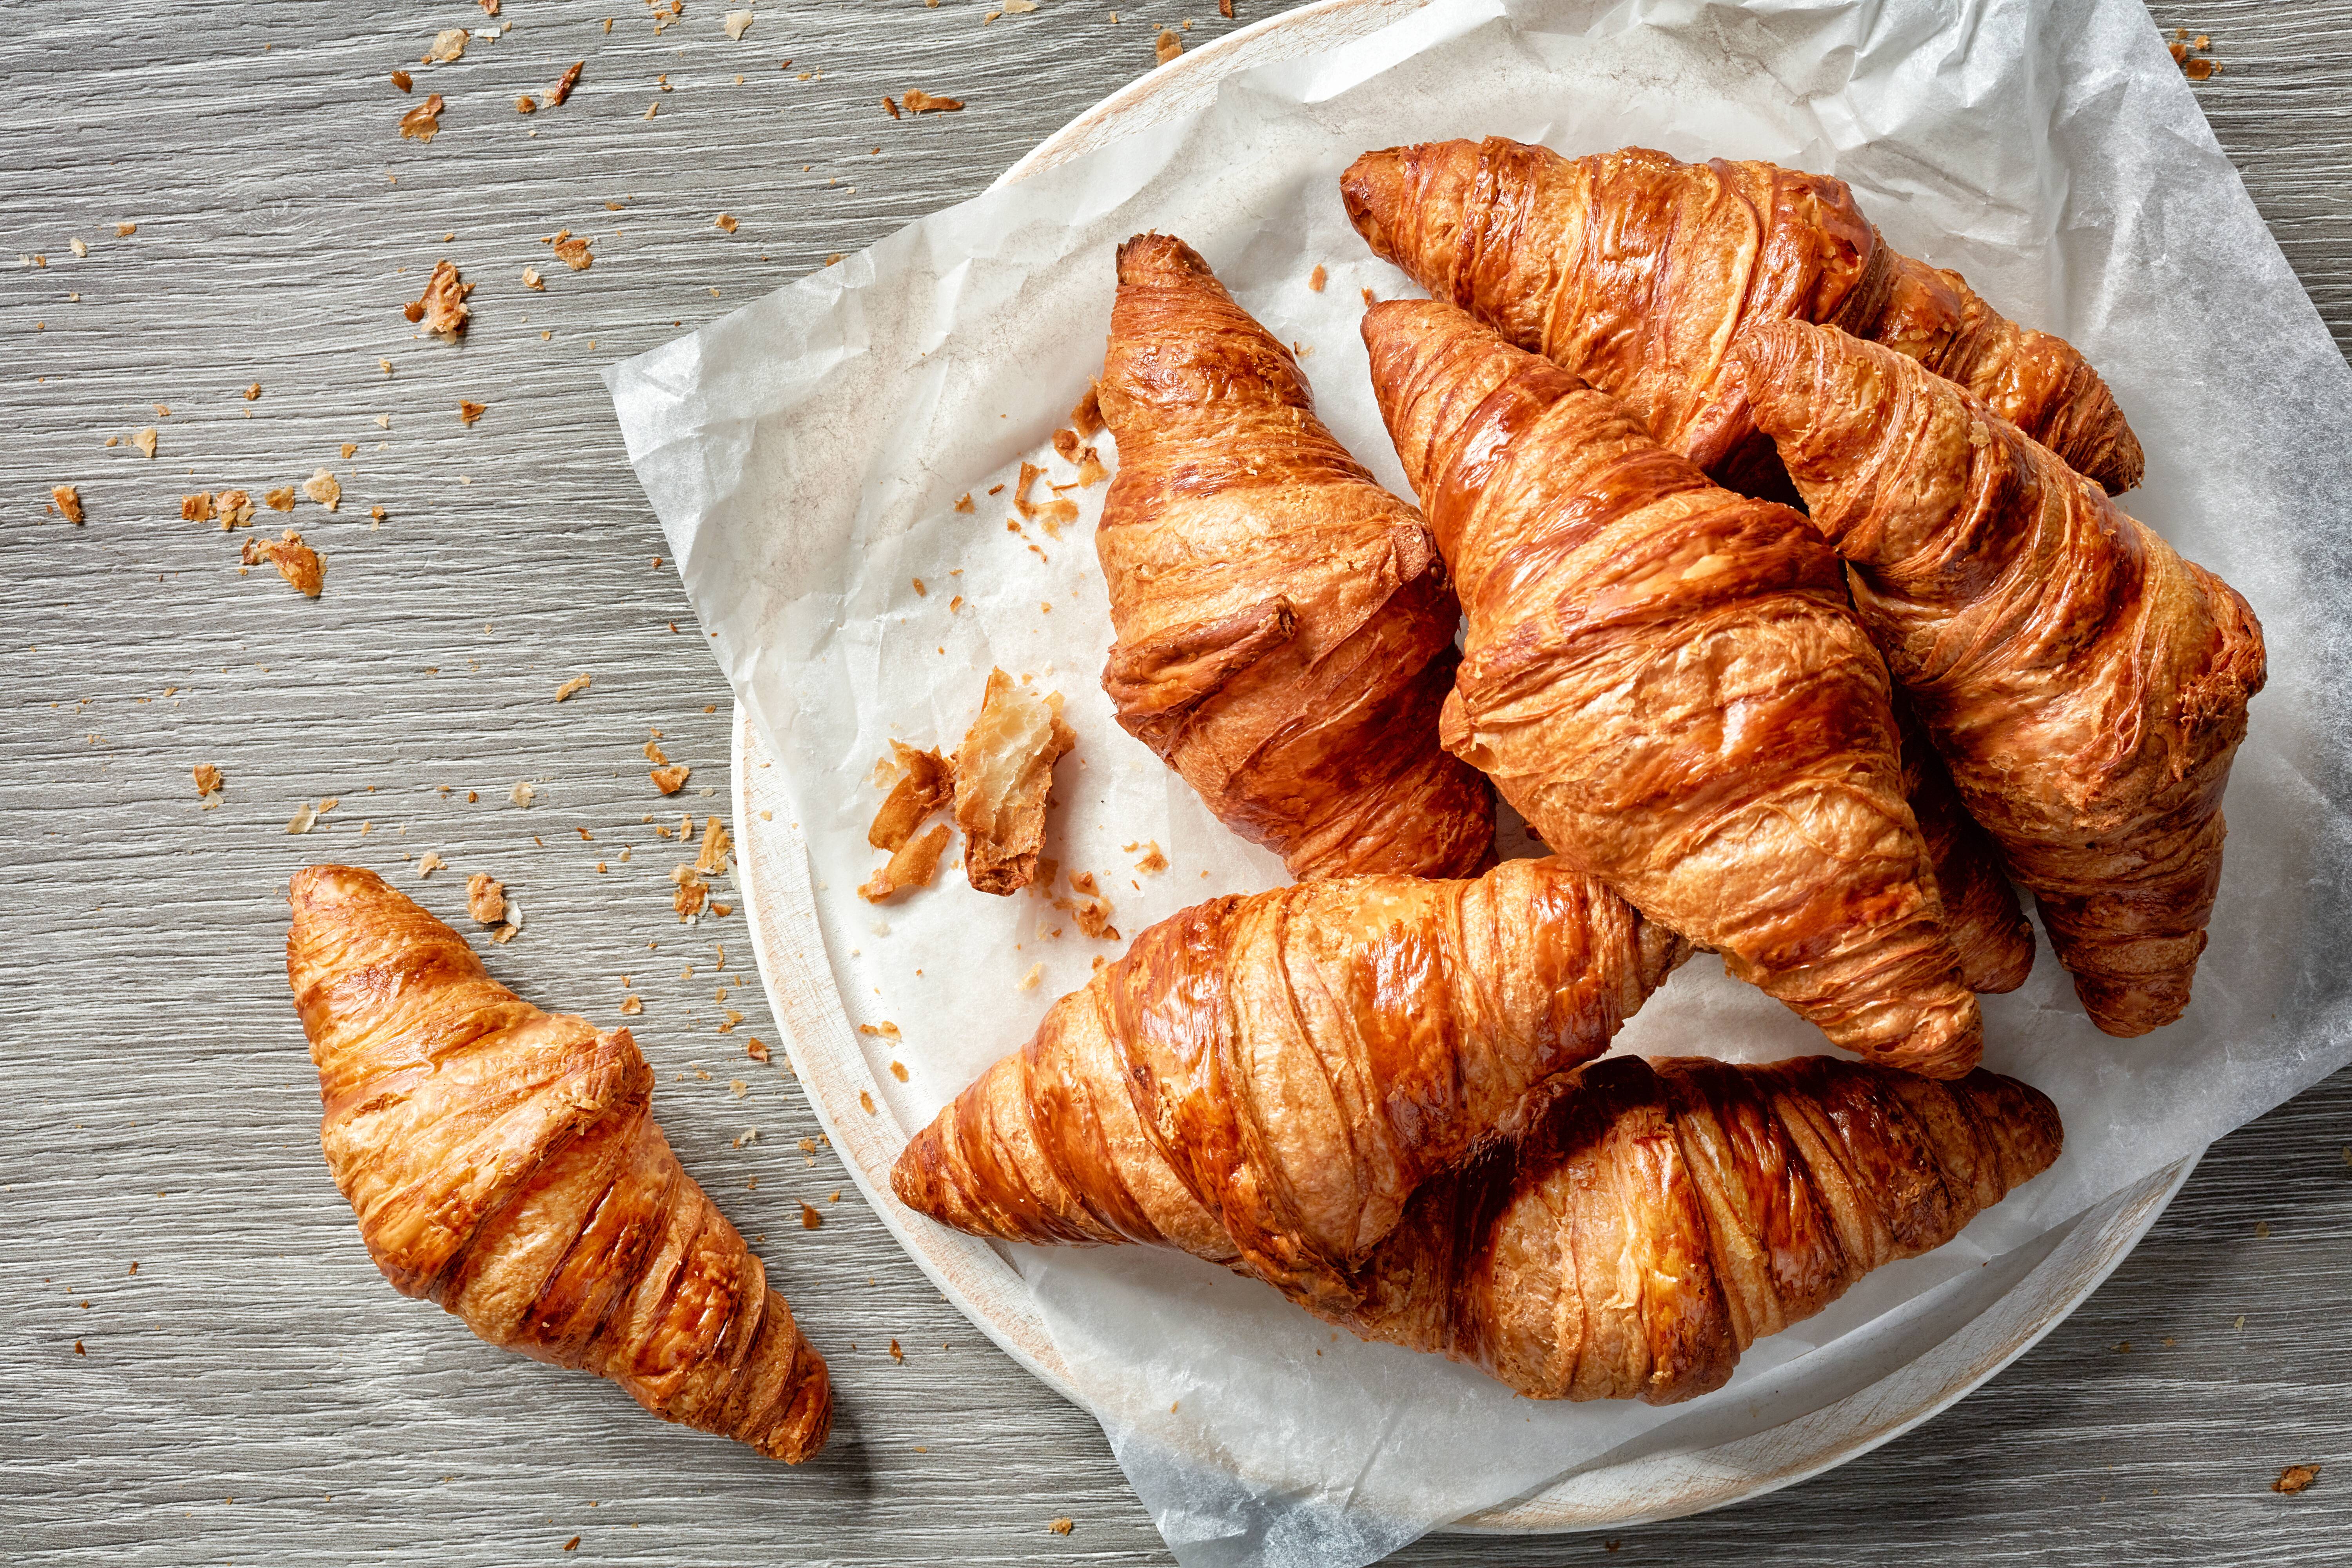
1992 1322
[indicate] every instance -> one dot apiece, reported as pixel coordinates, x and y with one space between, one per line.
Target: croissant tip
1153 257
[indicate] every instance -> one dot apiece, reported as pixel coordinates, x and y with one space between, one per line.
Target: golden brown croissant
1981 916
1635 271
1285 631
1664 1215
2086 685
1667 682
1263 1080
505 1162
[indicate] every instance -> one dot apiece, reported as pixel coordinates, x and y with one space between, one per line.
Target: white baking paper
806 455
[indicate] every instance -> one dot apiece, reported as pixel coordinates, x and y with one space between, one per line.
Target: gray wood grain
253 1393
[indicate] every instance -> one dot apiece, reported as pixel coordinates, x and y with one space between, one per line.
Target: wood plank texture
253 1393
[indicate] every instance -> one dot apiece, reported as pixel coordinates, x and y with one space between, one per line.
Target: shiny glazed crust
1265 1081
1636 273
505 1162
1664 1216
1667 682
2087 685
1285 632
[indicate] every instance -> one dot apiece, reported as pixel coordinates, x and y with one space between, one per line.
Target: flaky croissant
1664 1215
1635 271
505 1162
1667 682
1285 632
2086 685
1265 1081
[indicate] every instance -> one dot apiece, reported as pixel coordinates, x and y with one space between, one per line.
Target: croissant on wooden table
1285 632
504 1163
1263 1080
1635 271
2086 685
1666 680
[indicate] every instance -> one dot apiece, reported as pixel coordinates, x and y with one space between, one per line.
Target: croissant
1285 632
1635 271
505 1162
1664 1215
1981 916
1667 682
1263 1080
2086 685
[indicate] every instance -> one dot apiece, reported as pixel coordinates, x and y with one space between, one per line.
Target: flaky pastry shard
2086 685
1263 1080
1285 632
1635 271
505 1162
1667 682
1004 780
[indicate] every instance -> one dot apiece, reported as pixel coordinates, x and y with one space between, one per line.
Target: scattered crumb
865 1102
1029 981
68 501
1317 278
125 230
424 122
911 865
486 898
926 783
144 440
279 500
1153 860
296 562
1166 45
756 1051
716 845
443 309
810 1218
918 102
631 1006
428 863
305 818
521 795
448 46
1064 1525
671 780
572 252
725 223
400 79
574 686
208 780
735 23
321 487
895 1354
2294 1478
562 90
234 509
469 411
531 279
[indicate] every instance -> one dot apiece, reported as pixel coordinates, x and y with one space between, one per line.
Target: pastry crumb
810 1218
2295 1478
574 686
441 309
424 122
1064 1525
1004 780
631 1006
925 781
1317 278
671 780
918 102
296 562
486 898
912 865
68 501
208 780
321 487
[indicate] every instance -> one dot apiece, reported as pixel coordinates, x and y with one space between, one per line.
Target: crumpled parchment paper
806 455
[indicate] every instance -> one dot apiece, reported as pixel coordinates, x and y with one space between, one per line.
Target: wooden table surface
199 1364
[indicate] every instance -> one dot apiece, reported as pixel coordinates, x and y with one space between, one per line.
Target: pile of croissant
1795 620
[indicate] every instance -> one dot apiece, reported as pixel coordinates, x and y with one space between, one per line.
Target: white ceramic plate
1827 1411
